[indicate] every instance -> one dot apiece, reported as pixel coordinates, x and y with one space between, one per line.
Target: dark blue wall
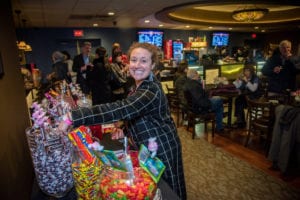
44 41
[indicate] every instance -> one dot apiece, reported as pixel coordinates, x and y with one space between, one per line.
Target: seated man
200 101
247 84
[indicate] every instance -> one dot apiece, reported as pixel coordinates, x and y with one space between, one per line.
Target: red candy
112 187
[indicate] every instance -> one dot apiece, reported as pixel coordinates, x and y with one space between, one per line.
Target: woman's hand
117 133
65 123
245 79
62 126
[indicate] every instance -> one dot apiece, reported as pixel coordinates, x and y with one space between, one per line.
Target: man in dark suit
82 63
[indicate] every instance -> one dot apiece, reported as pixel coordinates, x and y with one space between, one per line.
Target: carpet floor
213 174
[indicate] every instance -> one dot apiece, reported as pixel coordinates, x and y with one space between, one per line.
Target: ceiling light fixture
21 44
249 14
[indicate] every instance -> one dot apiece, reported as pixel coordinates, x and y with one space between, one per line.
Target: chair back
172 96
189 102
260 118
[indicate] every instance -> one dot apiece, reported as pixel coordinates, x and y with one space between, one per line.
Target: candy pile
114 185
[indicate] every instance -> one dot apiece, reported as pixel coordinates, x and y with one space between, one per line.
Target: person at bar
81 64
248 85
280 70
146 112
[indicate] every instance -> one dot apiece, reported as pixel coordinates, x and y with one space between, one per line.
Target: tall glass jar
51 157
86 176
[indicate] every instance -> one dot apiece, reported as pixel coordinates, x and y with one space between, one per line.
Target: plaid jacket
147 112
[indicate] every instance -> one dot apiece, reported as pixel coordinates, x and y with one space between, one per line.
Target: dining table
228 92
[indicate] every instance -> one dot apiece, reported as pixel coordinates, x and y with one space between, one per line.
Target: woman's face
119 59
140 65
247 73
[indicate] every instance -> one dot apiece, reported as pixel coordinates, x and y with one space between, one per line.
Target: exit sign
78 33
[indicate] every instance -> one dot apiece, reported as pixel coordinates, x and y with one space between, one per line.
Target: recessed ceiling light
263 30
229 28
161 25
256 27
147 21
187 26
95 25
111 13
210 27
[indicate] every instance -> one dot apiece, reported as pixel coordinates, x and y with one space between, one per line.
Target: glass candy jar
51 157
116 184
86 175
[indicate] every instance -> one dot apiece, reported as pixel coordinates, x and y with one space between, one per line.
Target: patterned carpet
213 174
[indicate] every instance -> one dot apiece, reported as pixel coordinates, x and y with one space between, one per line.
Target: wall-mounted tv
154 37
220 39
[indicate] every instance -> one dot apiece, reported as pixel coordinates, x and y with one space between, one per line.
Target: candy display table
165 190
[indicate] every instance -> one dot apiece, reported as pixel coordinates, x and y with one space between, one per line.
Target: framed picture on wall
1 67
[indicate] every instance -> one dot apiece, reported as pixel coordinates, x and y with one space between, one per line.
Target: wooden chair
174 102
194 118
260 120
283 98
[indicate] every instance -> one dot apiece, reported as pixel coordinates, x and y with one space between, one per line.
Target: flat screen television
220 39
154 37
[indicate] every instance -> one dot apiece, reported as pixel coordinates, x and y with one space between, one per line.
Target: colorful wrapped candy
51 157
81 140
86 177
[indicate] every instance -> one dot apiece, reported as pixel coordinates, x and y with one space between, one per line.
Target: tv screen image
177 50
220 39
154 37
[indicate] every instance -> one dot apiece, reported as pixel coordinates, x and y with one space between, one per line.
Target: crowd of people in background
107 79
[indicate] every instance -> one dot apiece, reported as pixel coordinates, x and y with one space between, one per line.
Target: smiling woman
146 113
142 61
